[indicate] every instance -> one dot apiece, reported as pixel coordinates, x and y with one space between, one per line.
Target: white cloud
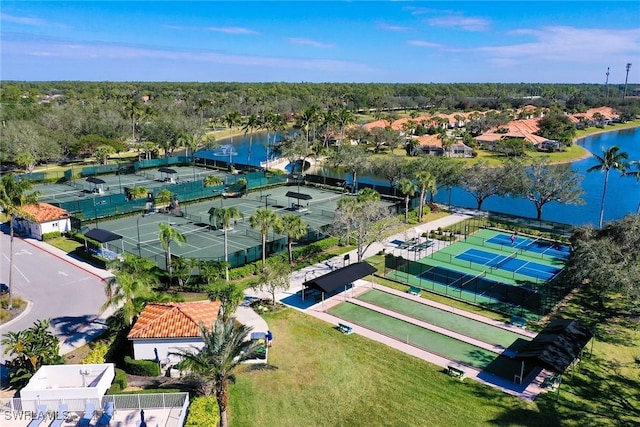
232 30
110 51
423 43
25 20
461 22
389 27
311 42
567 44
419 10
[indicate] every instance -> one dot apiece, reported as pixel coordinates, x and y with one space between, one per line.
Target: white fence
175 403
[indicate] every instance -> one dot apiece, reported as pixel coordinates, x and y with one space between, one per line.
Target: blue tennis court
539 246
509 263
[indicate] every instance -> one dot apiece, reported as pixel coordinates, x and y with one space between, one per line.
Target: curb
65 259
26 311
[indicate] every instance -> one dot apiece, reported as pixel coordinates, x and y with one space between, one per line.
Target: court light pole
95 209
138 230
626 79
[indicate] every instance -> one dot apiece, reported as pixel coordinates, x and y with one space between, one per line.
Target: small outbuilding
163 328
54 383
41 219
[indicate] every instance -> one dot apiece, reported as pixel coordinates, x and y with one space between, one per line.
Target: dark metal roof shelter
336 279
299 196
94 180
557 345
168 171
102 236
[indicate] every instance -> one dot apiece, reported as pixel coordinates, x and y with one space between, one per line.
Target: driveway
56 287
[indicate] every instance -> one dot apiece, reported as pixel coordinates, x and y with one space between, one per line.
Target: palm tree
123 291
167 235
13 199
133 109
408 189
213 365
212 181
427 185
345 118
636 173
274 123
163 198
231 119
226 215
252 123
264 220
295 228
612 158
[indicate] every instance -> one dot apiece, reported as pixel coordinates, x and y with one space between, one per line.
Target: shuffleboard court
433 342
445 319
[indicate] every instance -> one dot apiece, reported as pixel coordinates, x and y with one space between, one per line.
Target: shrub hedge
203 411
52 235
119 382
145 368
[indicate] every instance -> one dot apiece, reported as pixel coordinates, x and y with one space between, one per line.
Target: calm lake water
623 193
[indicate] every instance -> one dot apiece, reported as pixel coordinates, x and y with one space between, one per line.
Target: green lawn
319 377
444 319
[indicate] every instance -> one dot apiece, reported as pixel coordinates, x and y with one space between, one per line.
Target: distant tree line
49 121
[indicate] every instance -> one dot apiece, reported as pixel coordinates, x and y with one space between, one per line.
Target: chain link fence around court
532 301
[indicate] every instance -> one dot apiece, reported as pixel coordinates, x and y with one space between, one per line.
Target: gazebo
337 279
171 175
298 197
97 185
104 236
557 346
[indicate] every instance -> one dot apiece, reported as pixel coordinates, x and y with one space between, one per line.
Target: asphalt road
57 289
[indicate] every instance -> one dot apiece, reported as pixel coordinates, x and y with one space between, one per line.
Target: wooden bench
414 290
345 329
518 321
456 372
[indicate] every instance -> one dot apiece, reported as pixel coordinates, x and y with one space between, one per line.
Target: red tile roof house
163 328
522 129
606 115
45 218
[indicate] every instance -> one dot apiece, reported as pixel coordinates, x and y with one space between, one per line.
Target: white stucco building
44 218
163 328
52 384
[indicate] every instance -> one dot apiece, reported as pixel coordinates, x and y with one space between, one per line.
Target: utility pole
626 79
606 85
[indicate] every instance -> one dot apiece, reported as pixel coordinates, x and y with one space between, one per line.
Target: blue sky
331 41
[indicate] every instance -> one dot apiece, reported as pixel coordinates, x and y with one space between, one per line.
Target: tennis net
504 261
192 217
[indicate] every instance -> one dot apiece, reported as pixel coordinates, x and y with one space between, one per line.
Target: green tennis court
445 319
514 279
430 341
205 239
